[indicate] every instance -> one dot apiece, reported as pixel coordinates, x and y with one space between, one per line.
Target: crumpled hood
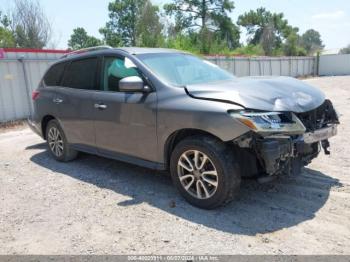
262 93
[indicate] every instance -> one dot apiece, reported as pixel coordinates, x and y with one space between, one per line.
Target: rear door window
54 75
81 74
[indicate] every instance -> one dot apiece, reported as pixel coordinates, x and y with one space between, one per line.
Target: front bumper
282 153
320 134
288 154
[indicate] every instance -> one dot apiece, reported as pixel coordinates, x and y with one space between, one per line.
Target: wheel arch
178 136
45 120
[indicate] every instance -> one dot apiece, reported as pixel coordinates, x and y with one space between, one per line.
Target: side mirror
132 84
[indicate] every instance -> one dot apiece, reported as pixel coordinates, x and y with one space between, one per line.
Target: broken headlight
270 122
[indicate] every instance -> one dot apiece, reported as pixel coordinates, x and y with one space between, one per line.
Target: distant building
331 51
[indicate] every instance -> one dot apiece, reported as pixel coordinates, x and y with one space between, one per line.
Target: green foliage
292 47
228 32
269 33
195 13
345 50
183 42
208 18
30 26
4 21
149 29
133 23
265 28
201 27
249 50
311 41
6 36
124 16
80 39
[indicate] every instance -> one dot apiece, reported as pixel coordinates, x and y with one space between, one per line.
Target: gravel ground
99 206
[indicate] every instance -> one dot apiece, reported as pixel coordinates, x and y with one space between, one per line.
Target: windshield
183 69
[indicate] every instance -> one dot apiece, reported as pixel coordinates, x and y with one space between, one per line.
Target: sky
330 18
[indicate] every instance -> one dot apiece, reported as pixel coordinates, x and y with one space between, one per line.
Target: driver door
125 122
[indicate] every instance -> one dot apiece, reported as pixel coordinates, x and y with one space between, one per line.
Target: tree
268 39
265 28
121 29
208 17
80 39
345 50
311 41
30 26
149 29
291 46
228 32
6 36
199 13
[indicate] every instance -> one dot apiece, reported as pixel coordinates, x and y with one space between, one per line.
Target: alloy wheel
197 174
55 141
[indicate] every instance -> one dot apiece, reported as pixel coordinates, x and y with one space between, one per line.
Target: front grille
319 117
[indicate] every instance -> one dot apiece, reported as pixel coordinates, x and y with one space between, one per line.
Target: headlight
270 122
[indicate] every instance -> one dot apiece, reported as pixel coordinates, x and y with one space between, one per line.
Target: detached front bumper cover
283 142
320 134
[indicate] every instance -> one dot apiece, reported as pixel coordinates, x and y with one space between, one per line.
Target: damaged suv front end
283 142
216 128
289 121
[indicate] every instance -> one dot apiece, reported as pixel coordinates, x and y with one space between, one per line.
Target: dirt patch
100 206
12 125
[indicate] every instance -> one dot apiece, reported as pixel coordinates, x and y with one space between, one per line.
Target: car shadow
259 208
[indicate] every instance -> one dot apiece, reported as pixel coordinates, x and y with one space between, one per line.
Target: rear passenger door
48 91
75 104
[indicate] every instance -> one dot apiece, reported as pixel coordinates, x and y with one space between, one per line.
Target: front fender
183 112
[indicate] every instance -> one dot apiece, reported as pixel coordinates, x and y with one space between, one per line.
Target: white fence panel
276 67
267 66
13 103
334 65
15 88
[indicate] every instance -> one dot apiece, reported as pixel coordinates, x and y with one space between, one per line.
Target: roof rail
86 50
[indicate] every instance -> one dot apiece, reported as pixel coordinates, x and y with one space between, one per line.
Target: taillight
35 94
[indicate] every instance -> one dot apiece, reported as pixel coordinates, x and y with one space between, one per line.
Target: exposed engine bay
302 137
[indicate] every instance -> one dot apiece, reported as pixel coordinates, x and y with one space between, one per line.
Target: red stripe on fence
32 50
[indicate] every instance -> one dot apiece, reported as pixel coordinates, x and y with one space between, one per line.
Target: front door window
115 69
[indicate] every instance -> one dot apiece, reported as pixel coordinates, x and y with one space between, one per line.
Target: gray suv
168 110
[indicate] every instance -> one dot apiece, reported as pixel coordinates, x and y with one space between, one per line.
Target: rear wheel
57 143
205 172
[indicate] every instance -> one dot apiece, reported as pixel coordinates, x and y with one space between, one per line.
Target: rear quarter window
81 74
54 75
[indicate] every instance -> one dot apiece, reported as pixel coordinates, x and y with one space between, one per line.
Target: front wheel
205 172
57 143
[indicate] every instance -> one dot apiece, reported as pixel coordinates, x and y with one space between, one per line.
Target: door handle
100 106
57 100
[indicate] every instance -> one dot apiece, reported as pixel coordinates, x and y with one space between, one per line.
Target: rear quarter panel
44 106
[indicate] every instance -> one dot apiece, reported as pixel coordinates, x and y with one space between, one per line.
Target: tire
215 190
57 143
